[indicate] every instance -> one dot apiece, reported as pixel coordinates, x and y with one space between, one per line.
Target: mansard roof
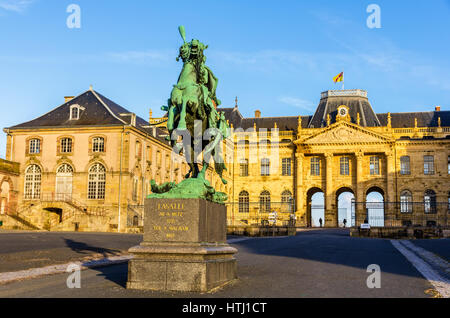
96 110
355 99
424 119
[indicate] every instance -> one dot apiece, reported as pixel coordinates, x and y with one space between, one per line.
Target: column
330 200
389 208
300 210
359 195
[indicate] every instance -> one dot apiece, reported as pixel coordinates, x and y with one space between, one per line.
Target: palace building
86 166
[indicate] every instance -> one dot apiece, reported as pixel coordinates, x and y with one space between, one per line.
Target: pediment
345 133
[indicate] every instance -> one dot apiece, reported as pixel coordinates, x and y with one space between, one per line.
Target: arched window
243 202
66 145
97 182
33 179
429 201
264 202
286 201
98 144
135 220
406 202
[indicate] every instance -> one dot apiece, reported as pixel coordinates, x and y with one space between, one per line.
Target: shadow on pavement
83 248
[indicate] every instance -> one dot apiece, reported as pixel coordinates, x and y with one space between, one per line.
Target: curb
9 277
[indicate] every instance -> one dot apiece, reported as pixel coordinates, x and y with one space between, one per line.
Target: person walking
345 223
320 221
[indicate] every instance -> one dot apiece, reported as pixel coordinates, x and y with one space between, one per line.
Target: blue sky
275 56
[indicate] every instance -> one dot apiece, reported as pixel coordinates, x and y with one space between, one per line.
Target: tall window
286 201
265 167
448 165
66 145
135 188
374 165
97 182
264 202
345 166
429 201
428 164
98 144
405 165
33 179
315 166
286 166
406 202
35 146
243 168
138 149
244 205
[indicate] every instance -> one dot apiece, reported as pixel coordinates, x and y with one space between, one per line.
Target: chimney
68 98
257 114
438 108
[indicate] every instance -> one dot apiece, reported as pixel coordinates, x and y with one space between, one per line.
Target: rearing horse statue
192 109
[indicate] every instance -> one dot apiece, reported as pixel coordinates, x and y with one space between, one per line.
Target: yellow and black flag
339 78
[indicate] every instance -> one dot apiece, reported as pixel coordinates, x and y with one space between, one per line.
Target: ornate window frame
91 144
28 145
59 145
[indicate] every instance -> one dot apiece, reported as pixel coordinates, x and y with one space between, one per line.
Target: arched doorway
344 197
64 176
4 197
375 207
316 207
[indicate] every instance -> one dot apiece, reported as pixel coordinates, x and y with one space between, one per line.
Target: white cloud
18 6
297 102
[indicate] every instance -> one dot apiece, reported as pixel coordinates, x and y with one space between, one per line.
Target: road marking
10 277
441 284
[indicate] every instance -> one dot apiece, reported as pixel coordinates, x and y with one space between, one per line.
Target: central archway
316 207
344 197
375 206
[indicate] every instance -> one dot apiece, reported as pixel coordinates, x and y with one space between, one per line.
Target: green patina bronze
193 99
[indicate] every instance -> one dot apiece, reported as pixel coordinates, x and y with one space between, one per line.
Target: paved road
322 263
24 250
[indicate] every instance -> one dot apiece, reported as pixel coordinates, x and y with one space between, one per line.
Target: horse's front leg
202 174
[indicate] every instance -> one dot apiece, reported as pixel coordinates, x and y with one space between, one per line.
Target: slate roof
356 104
424 119
101 111
98 111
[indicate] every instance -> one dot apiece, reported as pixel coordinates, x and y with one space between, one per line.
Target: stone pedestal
184 247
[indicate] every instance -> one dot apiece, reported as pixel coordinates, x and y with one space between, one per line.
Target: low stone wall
261 230
401 232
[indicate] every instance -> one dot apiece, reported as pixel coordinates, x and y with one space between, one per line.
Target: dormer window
75 111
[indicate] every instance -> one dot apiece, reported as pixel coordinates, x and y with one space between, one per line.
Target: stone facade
343 147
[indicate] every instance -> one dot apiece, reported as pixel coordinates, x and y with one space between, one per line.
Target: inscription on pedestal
183 221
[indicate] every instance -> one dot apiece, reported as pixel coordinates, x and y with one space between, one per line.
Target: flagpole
343 80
